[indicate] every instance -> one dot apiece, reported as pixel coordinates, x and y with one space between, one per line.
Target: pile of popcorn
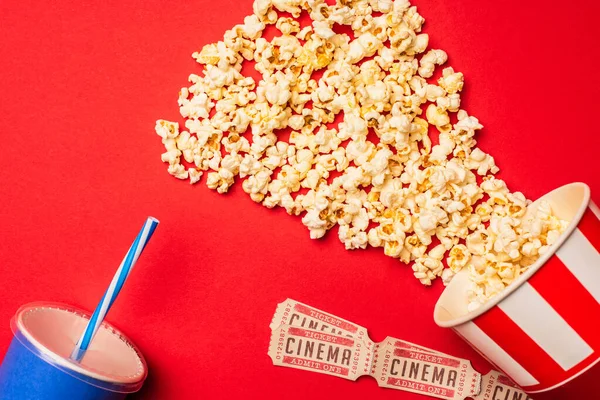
421 202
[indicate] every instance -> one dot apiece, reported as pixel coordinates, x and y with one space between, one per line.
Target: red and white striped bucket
544 330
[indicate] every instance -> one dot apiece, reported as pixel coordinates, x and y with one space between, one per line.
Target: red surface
82 85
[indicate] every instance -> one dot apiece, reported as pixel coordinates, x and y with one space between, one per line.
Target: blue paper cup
37 364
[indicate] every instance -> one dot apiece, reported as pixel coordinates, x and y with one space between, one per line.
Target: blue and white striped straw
115 287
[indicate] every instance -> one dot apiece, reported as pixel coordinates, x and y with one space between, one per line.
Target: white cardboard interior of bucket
568 202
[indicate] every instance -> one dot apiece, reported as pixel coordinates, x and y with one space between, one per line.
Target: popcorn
290 178
377 166
317 227
178 171
393 248
289 6
287 26
326 140
426 269
497 191
249 166
430 60
171 156
422 273
194 175
418 45
353 127
252 27
235 143
323 29
414 245
481 162
439 117
261 7
477 244
399 192
360 151
447 275
459 257
166 129
452 82
220 181
364 46
353 238
231 163
278 92
257 184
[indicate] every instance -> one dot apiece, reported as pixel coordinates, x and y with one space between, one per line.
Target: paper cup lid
50 331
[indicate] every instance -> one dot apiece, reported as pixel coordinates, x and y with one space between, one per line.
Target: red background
80 169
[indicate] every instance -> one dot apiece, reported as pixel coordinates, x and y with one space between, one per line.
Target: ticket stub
318 351
397 365
494 385
307 338
497 386
408 345
293 313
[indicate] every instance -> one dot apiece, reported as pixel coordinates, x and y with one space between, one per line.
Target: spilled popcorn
420 202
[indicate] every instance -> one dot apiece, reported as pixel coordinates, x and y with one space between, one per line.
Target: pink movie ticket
294 313
496 386
306 338
317 351
416 370
400 368
408 345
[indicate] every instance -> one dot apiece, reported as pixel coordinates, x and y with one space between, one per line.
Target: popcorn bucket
543 330
37 365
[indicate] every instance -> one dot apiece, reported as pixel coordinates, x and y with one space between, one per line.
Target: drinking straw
114 288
